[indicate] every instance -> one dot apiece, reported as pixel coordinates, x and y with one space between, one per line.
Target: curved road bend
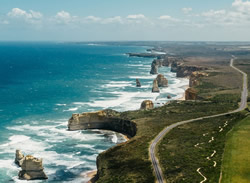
155 162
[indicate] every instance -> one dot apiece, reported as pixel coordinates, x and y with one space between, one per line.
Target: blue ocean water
42 84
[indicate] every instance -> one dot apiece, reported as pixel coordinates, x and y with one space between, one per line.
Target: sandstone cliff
195 76
147 104
105 119
186 70
162 81
155 88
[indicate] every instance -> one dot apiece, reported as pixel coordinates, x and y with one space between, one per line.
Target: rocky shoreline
112 120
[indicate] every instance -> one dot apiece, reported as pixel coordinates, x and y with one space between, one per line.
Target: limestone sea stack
191 94
19 158
155 88
147 104
138 83
154 68
32 169
162 81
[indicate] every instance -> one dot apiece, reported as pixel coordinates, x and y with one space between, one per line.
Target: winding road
155 161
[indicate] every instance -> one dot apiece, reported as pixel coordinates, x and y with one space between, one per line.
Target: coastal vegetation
178 152
236 160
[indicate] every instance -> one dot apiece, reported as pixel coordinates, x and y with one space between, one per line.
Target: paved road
155 162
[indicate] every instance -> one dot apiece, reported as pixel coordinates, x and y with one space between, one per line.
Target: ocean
42 84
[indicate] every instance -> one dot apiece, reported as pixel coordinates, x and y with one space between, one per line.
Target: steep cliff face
147 104
105 119
162 81
186 70
191 94
32 168
155 88
195 76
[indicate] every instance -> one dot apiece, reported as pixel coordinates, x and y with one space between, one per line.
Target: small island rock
138 83
147 104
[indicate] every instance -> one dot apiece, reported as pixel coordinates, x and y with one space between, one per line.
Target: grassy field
191 146
236 159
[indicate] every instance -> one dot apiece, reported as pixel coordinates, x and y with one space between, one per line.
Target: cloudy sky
111 20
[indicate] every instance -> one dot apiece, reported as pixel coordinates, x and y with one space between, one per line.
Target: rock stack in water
154 68
32 168
155 88
138 83
162 81
147 104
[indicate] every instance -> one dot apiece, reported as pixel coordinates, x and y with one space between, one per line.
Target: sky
124 20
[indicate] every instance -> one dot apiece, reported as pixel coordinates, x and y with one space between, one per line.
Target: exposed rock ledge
105 119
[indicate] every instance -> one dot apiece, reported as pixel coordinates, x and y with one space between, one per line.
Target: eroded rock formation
162 81
19 158
155 88
105 119
154 68
32 168
191 94
147 104
138 83
194 78
186 70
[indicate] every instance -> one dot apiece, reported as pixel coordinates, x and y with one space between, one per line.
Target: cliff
186 70
105 119
194 79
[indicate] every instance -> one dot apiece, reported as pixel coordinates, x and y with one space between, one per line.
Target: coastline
93 176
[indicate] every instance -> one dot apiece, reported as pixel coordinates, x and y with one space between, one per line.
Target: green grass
236 161
179 157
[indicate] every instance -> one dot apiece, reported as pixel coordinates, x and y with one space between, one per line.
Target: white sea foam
61 104
143 77
114 138
72 109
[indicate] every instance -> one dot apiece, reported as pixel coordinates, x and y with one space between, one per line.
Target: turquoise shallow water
42 84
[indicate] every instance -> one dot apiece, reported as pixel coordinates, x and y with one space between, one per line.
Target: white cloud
19 13
168 18
93 18
116 19
242 6
186 10
137 16
64 17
